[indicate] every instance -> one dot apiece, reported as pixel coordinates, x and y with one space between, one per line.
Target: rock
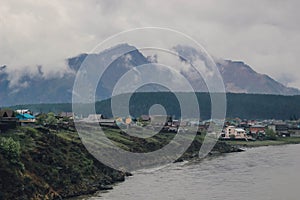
105 187
128 174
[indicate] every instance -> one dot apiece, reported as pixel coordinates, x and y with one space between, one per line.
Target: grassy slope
56 164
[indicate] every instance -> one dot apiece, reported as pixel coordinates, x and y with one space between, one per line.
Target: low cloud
265 34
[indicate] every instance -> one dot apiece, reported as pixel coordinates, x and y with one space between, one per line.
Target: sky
265 34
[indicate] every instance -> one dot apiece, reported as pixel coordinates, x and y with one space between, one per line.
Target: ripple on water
259 173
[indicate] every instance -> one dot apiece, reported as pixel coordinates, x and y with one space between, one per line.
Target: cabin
8 120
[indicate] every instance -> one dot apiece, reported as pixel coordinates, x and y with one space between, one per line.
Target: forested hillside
249 106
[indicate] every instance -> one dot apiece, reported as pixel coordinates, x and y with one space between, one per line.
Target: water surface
260 173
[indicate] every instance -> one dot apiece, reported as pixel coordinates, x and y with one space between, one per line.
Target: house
8 120
94 118
24 111
202 128
176 123
173 129
145 118
129 120
231 132
7 114
26 119
256 129
280 128
161 120
244 125
184 123
69 115
108 122
234 122
294 131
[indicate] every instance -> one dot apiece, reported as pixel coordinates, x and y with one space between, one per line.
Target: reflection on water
259 173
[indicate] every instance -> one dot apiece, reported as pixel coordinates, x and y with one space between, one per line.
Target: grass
54 162
258 143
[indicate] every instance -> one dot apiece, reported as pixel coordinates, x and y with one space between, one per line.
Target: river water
260 173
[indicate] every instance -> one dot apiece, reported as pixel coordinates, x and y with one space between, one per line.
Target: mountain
38 88
35 88
241 78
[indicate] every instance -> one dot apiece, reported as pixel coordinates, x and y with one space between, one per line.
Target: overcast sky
263 33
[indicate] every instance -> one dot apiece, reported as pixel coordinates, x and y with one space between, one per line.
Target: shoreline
54 164
237 144
189 155
258 143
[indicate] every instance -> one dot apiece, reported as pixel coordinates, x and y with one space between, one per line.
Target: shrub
11 150
51 120
271 135
40 120
31 131
232 136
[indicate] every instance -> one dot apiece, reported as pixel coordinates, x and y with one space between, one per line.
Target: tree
51 120
270 134
10 149
41 119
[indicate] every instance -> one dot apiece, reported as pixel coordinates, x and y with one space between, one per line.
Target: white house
237 133
24 111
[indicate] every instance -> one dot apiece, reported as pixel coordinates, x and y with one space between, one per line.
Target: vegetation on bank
50 162
259 143
47 162
40 163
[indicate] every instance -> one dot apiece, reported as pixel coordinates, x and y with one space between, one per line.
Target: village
234 129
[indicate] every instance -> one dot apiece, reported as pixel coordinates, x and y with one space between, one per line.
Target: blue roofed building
25 118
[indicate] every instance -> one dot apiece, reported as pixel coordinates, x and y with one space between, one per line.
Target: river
259 173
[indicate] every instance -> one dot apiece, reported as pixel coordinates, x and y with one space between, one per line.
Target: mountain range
36 88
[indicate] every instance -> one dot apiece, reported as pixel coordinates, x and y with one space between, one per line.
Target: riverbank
44 163
259 143
257 173
220 148
41 163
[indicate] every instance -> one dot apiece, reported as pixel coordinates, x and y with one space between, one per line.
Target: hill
245 106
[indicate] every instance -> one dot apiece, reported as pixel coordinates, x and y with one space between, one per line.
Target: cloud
265 34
